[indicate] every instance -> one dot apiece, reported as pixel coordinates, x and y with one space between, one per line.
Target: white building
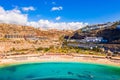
118 26
93 39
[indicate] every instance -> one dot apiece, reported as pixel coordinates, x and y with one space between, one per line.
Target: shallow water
59 71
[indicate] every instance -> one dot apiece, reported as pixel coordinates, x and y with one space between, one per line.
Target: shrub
46 49
13 49
39 49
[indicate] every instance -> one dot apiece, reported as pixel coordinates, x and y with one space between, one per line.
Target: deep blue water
59 71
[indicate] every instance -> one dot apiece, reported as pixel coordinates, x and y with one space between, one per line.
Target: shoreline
37 58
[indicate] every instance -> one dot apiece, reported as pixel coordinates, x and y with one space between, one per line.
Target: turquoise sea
59 71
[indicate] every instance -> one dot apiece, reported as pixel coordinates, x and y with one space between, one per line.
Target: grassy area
65 50
69 50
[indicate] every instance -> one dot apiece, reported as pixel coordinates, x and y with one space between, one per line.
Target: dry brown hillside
47 38
19 29
12 29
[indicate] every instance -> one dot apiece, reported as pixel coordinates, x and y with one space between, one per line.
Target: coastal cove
59 40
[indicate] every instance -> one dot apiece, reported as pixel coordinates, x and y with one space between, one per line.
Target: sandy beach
30 58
